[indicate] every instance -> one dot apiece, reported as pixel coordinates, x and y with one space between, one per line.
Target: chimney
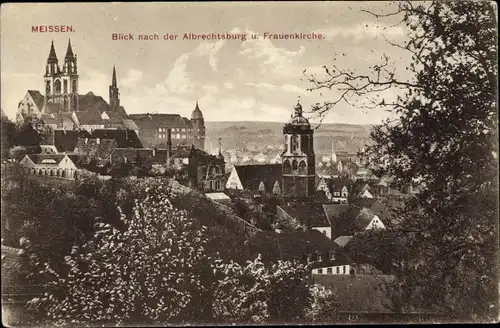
98 141
169 139
169 144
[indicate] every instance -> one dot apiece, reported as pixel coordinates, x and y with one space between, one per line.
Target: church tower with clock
298 158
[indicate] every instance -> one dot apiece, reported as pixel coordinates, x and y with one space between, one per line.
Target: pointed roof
251 175
69 51
37 98
196 114
52 54
113 81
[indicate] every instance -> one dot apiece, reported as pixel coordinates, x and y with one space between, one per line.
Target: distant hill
259 135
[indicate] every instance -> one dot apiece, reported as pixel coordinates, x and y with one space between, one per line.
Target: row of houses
268 178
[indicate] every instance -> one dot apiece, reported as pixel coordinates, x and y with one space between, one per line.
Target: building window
337 270
323 231
329 270
320 258
336 193
178 135
342 269
287 169
320 271
294 143
332 256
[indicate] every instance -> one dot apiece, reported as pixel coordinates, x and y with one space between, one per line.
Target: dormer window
332 256
320 258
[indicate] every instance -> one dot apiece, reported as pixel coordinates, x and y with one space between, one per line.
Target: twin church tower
61 85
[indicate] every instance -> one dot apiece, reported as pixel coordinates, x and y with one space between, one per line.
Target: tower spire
52 53
113 82
220 146
69 50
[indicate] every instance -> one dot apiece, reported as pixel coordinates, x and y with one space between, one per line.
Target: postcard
241 163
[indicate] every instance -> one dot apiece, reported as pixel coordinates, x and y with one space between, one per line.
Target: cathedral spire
52 53
69 51
114 93
113 81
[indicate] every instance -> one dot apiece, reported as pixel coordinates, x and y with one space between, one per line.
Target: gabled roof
54 159
121 111
143 122
251 175
160 120
289 245
355 220
91 102
130 124
335 212
53 108
57 118
65 140
336 185
364 202
124 138
311 214
343 240
90 117
114 118
38 98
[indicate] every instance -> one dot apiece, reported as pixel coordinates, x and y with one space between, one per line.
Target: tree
258 293
148 273
322 306
8 136
18 153
158 270
444 139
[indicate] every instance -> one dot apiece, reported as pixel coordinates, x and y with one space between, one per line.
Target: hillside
260 135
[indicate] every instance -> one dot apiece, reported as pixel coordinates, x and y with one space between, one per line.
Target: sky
233 80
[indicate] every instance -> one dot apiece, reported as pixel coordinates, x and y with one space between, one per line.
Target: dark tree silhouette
445 141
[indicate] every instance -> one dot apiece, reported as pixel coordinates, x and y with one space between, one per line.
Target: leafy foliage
158 270
444 140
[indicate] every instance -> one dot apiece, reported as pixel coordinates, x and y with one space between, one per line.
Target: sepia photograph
249 163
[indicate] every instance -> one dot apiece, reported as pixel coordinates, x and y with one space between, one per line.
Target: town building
250 177
153 129
53 165
298 158
61 97
334 189
205 172
303 246
311 215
